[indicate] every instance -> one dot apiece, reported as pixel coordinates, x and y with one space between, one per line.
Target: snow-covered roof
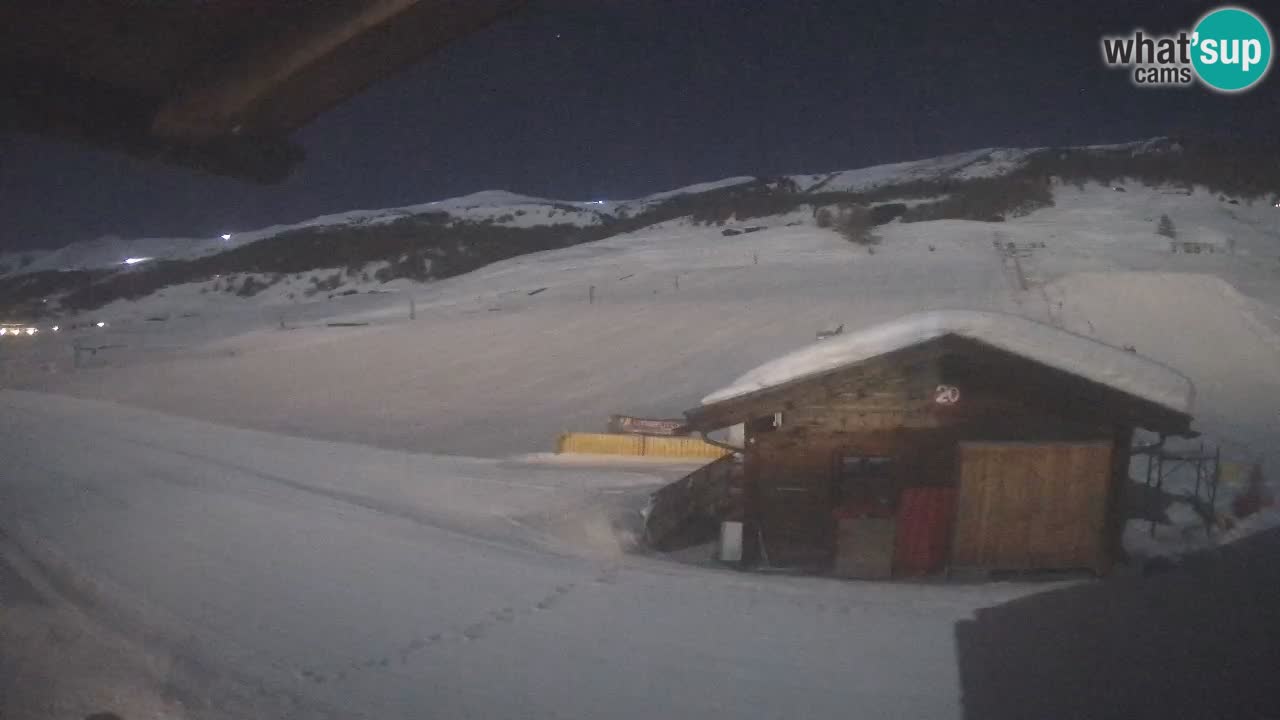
1075 354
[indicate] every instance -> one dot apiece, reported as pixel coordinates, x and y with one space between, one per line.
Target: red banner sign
644 426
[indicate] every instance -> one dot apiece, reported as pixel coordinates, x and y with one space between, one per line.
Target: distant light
31 331
100 324
226 236
599 202
54 328
4 331
135 261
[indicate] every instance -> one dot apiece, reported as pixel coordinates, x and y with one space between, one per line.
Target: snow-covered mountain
435 240
112 251
506 209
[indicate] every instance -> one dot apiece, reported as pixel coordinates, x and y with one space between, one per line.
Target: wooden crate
1031 506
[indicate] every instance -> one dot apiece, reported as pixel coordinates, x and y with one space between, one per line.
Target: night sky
590 99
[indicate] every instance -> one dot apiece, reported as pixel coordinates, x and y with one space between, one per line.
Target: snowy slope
110 251
497 206
501 359
631 207
977 163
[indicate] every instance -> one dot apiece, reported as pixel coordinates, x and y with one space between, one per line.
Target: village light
31 331
226 236
100 324
54 328
135 260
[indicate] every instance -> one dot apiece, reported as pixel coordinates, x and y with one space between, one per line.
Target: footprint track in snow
472 632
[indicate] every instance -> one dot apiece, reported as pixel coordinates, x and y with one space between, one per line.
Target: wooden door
795 520
1025 506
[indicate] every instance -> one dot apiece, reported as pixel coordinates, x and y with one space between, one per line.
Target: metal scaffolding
1162 462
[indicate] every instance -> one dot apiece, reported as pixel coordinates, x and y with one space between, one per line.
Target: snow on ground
286 577
57 661
1076 354
484 497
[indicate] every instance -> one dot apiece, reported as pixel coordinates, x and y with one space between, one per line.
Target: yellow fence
640 445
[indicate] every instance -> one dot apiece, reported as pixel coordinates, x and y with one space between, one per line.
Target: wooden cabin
943 440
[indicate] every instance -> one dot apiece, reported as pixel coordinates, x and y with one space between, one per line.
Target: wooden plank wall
1028 506
789 469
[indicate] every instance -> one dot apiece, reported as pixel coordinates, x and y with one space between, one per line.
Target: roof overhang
1084 399
217 85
